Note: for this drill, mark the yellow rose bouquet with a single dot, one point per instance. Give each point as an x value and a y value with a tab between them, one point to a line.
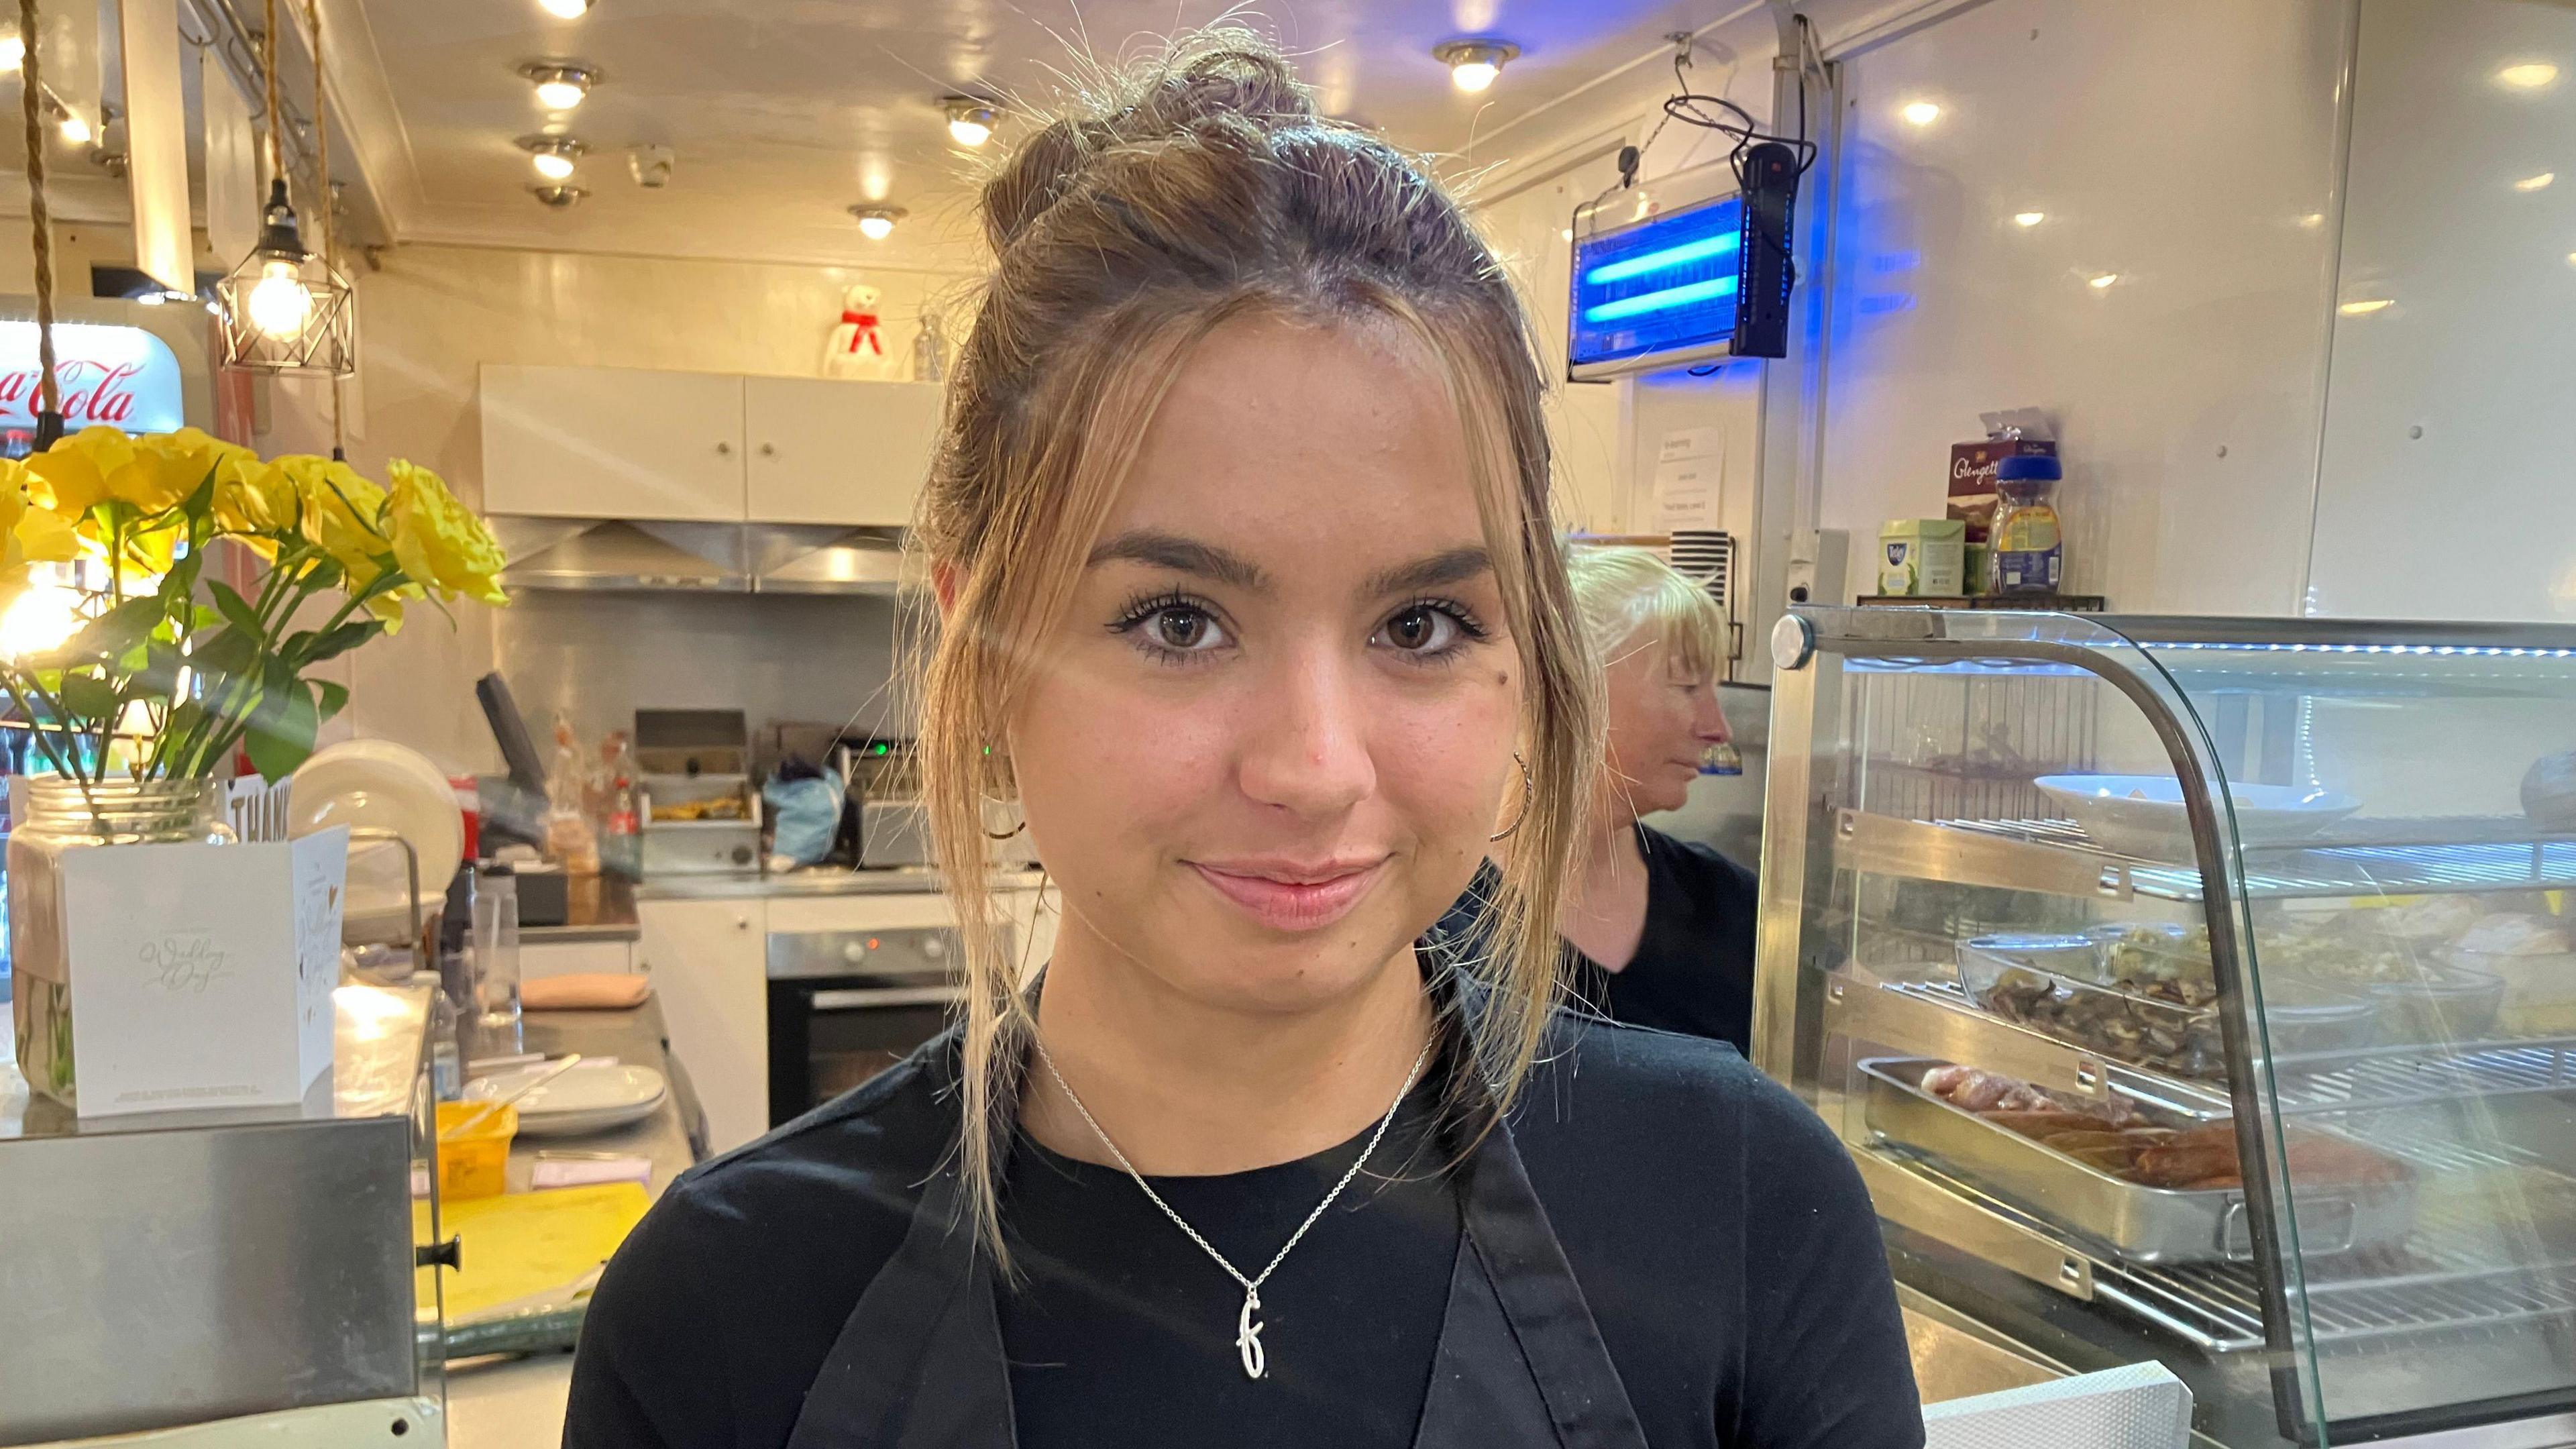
168	668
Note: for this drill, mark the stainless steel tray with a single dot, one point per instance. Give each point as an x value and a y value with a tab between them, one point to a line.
2135	1224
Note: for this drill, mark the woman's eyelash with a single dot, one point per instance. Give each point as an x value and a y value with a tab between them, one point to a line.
1465	618
1140	609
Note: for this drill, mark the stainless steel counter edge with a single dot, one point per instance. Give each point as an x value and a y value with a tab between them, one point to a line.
907	881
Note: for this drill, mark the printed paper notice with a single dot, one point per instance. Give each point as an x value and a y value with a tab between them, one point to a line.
1688	492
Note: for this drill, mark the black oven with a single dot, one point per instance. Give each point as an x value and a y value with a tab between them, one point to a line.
846	1005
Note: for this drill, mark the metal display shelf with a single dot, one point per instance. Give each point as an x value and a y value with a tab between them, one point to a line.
2385	857
2441	1283
1939	1020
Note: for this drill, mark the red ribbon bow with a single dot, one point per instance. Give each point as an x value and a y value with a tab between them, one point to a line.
864	329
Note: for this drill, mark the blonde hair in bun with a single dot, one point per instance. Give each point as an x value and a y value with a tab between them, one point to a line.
1178	192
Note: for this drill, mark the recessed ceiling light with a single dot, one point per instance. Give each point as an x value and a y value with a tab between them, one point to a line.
1919	113
970	121
2529	75
557	198
2029	218
553	156
876	223
2102	281
74	129
561	85
565	9
2366	306
2535	183
1474	64
13	52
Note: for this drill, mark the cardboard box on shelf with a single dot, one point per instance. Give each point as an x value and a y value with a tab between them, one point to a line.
1919	556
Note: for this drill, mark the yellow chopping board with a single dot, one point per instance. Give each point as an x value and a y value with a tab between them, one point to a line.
523	1244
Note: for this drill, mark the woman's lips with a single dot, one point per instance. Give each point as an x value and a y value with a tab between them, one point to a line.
1289	897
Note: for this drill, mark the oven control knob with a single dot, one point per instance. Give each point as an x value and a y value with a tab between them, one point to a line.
853	952
933	948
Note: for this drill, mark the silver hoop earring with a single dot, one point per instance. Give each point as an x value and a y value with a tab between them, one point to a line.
1527	790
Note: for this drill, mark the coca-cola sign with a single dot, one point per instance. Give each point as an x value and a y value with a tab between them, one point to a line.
121	377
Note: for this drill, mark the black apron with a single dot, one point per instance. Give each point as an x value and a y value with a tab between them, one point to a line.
1520	1364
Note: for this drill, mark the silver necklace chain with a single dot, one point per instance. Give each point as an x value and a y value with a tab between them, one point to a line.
1248	1325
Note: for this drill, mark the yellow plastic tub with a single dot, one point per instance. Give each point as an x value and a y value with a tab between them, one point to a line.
472	1161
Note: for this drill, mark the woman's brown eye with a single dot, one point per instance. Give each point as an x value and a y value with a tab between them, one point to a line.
1414	630
1180	628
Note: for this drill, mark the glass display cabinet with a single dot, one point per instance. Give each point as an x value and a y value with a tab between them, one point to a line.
2198	989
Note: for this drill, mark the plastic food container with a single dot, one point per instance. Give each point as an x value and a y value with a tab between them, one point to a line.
2064	954
2539	983
2304	1019
472	1162
2439	1007
2119	1025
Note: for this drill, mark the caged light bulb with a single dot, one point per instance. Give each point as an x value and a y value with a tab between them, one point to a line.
279	305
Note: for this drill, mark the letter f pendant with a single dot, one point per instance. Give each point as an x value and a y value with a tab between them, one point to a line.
1247	1336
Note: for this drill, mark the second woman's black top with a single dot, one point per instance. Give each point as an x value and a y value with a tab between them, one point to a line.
1716	1229
1693	971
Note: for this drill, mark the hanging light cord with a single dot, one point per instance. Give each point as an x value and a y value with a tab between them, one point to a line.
268	73
322	218
49	414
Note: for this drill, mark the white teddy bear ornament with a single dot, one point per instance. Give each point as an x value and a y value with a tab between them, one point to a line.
858	345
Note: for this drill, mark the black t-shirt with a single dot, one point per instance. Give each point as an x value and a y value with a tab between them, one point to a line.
1116	1298
1693	971
1717	1229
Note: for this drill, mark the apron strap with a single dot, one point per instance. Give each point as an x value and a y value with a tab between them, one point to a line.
926	1320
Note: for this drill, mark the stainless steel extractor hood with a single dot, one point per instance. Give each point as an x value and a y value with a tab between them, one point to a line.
634	555
824	559
571	553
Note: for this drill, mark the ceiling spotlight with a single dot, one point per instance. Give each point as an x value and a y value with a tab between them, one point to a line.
1473	64
2536	183
2366	306
561	85
553	156
970	121
1919	113
75	130
557	198
565	9
2530	75
876	223
2029	218
2103	281
13	52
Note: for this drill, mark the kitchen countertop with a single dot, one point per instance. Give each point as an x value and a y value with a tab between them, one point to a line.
518	1403
828	881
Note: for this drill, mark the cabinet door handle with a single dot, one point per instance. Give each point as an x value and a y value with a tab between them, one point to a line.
769	450
742	923
724	450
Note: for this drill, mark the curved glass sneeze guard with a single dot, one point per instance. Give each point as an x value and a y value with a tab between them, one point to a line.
2277	1090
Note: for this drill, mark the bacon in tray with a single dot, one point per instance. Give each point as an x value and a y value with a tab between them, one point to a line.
2116	1138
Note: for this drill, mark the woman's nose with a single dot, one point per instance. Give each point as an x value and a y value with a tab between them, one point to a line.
1710	724
1309	750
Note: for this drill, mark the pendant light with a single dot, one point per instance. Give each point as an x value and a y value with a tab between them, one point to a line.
286	309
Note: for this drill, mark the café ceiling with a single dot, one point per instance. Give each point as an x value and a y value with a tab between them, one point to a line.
782	114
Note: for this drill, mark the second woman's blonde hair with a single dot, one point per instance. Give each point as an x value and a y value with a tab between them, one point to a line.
1630	598
1195	190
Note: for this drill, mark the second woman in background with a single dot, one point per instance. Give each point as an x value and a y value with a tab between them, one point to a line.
1659	931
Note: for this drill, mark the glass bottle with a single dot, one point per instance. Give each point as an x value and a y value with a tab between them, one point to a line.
2029	554
62	815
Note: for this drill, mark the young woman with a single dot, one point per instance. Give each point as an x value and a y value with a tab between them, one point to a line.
1252	604
1659	931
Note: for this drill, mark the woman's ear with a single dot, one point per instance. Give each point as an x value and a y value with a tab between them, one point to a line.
944	583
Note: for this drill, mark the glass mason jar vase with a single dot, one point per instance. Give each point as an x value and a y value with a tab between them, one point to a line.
61	816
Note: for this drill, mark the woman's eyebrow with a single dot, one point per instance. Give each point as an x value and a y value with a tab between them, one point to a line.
1447	567
1183	555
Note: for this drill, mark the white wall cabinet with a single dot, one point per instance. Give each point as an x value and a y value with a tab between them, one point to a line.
612	442
704	447
709	966
828	451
